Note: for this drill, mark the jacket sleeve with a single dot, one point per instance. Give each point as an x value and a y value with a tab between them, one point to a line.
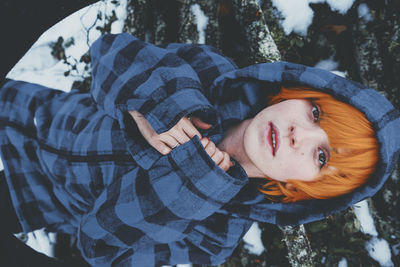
202	246
158	206
128	74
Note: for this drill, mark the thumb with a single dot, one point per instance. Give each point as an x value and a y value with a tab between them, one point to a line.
198	123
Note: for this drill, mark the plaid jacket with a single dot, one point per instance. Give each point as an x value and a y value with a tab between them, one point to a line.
76	162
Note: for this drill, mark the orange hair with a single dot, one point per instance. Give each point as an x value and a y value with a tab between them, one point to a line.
353	156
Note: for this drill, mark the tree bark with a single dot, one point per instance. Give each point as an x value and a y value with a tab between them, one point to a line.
300	253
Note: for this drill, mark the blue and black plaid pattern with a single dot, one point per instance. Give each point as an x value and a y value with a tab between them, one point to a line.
71	162
76	163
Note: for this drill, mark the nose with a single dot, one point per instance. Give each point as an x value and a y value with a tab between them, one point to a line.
299	135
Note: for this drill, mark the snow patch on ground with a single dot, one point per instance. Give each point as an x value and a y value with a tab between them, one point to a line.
342	263
364	12
340	6
252	240
330	65
42	241
298	15
396	249
327	64
201	21
378	248
339	73
39	66
364	216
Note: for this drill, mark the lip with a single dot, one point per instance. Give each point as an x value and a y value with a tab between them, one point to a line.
271	127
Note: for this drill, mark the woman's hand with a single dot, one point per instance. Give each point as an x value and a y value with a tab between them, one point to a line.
221	158
182	132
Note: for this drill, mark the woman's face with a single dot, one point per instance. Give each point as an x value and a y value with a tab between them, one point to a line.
284	141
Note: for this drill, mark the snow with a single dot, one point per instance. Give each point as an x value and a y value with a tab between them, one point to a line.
364	12
252	240
39	66
327	64
342	263
340	6
339	73
42	242
298	15
364	216
121	13
396	249
330	65
378	248
201	21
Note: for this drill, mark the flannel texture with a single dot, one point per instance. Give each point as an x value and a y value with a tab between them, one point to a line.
76	163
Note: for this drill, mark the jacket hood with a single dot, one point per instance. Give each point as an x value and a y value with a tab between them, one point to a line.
256	81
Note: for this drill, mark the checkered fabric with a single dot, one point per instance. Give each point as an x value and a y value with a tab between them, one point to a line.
76	163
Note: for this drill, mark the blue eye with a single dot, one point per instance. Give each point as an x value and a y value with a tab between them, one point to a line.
321	158
315	112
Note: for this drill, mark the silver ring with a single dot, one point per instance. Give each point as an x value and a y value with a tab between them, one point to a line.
176	145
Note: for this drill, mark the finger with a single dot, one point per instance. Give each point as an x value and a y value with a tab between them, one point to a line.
218	156
190	129
226	163
197	122
210	148
168	140
161	147
179	135
204	141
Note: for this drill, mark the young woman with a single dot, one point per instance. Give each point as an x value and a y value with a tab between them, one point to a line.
175	152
